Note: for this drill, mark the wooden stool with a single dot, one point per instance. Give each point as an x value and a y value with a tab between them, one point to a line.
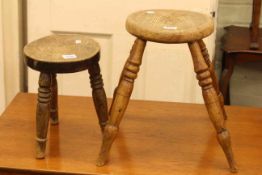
63	54
169	26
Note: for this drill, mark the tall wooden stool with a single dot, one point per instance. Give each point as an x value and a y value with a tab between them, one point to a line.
63	54
169	26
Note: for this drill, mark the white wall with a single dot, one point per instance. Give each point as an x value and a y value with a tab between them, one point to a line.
2	87
10	50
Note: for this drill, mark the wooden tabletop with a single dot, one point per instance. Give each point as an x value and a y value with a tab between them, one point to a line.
155	138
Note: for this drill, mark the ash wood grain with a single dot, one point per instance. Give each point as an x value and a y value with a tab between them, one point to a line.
181	143
213	74
169	26
212	102
121	98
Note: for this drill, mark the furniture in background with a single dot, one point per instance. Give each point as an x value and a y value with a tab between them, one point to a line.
63	54
171	27
240	45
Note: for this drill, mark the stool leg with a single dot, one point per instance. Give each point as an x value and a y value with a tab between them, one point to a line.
212	102
213	74
226	76
53	103
42	113
121	98
98	93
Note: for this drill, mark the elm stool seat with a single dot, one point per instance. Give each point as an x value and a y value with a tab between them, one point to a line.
171	27
63	54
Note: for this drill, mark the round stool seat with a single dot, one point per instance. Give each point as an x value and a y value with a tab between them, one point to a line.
169	26
62	53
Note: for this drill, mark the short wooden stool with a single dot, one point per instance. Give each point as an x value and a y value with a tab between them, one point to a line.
169	26
63	54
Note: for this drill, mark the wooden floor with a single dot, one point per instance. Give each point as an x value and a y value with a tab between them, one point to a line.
155	138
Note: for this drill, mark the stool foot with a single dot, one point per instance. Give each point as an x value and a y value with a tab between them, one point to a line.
121	98
212	101
98	93
108	139
53	103
42	113
224	140
226	76
54	119
40	148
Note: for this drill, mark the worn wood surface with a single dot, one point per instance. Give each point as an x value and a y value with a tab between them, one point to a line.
213	74
212	102
98	93
62	53
54	103
155	138
121	98
169	26
183	27
42	113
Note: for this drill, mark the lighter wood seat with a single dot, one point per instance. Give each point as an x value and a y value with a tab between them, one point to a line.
63	54
169	26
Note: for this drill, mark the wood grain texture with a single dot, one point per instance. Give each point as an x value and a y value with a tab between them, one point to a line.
212	102
213	75
98	93
53	103
62	53
181	143
169	26
42	113
121	98
183	26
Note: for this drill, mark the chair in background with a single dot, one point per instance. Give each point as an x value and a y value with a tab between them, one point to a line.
240	45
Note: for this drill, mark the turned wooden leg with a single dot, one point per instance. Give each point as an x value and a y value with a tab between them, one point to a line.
212	102
42	113
121	98
53	102
213	74
98	93
226	76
